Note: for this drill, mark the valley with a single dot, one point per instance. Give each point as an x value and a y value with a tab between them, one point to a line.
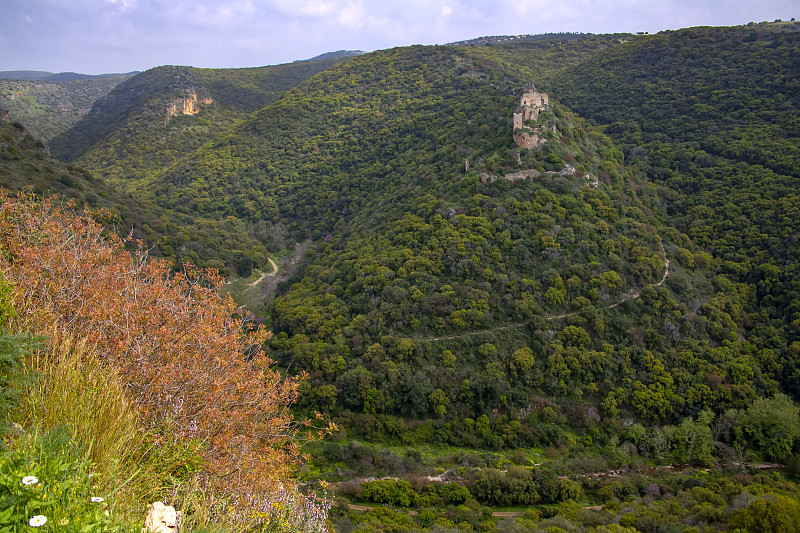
498	301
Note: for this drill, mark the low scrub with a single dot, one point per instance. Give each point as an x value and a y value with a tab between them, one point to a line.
156	378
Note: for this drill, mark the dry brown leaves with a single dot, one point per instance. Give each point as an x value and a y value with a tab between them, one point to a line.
180	346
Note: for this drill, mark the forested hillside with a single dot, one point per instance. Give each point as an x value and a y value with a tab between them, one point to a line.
432	295
26	164
623	295
166	112
711	116
49	107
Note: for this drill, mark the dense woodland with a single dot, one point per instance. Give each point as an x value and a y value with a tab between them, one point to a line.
572	349
50	107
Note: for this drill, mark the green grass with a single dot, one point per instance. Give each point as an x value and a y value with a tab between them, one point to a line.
47	481
68	423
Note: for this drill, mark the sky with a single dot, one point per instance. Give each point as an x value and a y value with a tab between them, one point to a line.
105	36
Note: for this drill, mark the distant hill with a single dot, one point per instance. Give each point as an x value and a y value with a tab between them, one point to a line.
38	75
30	75
500	39
26	164
72	76
153	118
47	107
340	54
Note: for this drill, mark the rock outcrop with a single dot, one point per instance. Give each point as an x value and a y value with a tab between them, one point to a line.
188	104
161	519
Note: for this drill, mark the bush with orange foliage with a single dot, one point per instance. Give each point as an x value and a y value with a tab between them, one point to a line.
185	357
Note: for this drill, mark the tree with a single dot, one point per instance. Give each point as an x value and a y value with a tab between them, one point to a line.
773	425
523	361
772	512
244	264
693	441
438	401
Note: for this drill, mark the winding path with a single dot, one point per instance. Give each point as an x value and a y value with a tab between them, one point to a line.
631	296
264	274
497	514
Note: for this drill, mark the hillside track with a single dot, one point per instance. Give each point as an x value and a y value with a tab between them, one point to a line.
631	296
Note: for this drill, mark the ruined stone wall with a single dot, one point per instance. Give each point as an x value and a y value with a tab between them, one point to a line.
531	102
534	99
529	140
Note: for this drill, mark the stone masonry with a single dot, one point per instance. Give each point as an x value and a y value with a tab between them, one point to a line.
531	103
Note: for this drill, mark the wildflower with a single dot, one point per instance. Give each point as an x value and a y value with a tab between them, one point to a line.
96	499
37	521
30	480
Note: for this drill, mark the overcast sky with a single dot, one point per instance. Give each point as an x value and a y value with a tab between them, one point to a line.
103	36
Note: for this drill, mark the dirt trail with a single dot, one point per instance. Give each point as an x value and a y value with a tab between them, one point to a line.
631	296
497	514
265	274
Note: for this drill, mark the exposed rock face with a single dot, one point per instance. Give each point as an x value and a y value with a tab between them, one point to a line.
4	116
188	105
531	103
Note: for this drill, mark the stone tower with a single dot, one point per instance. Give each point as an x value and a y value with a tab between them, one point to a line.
531	103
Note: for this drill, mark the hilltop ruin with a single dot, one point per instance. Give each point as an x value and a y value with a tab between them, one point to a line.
528	134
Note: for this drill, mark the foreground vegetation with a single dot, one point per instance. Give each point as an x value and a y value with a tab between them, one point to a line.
140	386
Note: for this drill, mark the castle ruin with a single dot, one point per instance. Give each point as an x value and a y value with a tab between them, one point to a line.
531	103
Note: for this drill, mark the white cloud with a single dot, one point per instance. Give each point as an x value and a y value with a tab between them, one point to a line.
308	8
353	15
447	11
124	5
235	9
531	7
318	8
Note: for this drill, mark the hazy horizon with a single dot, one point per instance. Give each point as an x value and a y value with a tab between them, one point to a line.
116	36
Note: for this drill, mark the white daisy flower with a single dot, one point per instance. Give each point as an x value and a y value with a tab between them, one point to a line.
37	521
96	499
30	480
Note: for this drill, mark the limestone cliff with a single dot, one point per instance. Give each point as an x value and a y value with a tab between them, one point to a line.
189	104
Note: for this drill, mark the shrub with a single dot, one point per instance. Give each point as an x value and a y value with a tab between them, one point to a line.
189	363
